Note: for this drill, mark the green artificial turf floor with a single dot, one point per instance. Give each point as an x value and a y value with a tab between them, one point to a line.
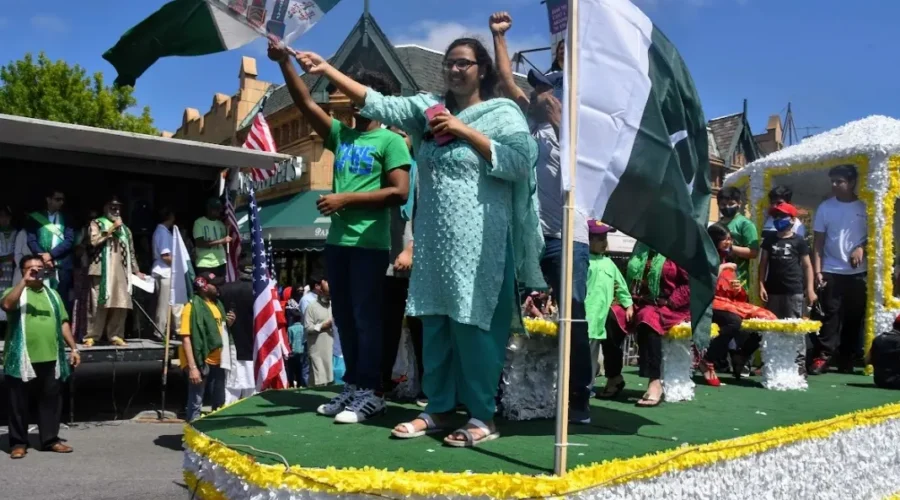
285	422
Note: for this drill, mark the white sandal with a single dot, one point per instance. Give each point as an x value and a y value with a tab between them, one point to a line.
470	441
410	432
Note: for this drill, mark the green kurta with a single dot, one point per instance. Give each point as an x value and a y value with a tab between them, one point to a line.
604	281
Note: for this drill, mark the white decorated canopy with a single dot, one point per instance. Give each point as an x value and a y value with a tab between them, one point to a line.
872	145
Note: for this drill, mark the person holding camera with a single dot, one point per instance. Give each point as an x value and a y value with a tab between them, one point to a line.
35	357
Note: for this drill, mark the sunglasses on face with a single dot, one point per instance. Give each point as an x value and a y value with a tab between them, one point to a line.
459	64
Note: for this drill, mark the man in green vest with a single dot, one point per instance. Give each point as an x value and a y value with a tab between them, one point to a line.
35	357
51	239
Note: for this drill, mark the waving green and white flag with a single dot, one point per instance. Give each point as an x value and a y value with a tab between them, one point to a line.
642	157
182	282
198	27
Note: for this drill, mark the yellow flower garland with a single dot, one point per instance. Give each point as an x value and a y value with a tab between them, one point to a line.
683	331
538	326
784	326
892	195
500	485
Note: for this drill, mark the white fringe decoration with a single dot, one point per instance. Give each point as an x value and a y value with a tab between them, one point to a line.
779	355
677	370
529	378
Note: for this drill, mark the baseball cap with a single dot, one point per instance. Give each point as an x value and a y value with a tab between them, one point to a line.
553	79
597	227
783	208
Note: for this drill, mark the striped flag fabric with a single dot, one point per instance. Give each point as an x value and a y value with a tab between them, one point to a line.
269	348
181	285
234	248
260	139
199	27
642	163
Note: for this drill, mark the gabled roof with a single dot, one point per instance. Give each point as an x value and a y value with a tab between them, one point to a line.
731	131
723	130
874	135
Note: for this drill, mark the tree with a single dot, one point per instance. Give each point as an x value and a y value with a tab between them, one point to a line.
53	90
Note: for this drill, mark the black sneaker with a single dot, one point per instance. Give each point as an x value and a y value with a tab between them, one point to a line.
580	414
365	405
818	366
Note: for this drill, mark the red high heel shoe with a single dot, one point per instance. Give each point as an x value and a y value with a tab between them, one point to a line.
709	373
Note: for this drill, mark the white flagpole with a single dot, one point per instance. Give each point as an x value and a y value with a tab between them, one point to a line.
565	303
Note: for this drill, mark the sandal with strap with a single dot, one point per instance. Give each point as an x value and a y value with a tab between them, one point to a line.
647	402
612	392
470	441
410	432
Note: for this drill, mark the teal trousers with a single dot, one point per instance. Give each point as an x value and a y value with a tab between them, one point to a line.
463	363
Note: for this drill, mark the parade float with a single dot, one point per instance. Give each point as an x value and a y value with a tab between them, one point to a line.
720	443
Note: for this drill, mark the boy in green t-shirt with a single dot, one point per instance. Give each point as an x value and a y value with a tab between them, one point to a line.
746	238
371	174
210	238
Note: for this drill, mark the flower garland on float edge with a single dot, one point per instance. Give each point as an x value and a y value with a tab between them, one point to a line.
369	480
683	331
782	326
540	326
890	198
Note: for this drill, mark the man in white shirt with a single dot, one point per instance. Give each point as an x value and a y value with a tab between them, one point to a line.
841	233
162	268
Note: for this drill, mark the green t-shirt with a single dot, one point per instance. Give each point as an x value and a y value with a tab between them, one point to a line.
41	338
744	234
209	230
361	163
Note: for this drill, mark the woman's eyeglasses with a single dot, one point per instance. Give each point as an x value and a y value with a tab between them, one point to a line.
459	64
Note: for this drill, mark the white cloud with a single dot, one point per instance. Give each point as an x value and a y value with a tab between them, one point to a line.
49	24
438	35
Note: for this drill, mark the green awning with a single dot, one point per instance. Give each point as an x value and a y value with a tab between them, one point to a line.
291	222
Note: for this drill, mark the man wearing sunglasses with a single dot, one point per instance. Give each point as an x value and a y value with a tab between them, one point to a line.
53	240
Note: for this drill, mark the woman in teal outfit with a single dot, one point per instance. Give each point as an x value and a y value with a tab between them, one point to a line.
477	232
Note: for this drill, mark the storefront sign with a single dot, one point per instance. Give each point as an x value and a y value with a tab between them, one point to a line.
287	171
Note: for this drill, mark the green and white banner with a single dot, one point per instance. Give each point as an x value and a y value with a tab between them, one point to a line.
198	27
642	158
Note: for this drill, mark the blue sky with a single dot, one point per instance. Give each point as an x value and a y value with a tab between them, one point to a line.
834	59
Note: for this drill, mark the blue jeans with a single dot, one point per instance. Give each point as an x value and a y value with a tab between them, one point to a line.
356	279
298	369
581	378
214	380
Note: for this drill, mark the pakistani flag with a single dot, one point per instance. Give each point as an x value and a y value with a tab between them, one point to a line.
182	281
199	27
642	157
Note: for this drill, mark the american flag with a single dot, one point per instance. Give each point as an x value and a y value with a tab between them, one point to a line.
260	139
269	348
234	248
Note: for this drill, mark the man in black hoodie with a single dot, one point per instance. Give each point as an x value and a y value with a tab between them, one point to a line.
237	296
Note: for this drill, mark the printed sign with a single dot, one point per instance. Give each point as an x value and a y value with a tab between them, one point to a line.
287	171
558	13
281	19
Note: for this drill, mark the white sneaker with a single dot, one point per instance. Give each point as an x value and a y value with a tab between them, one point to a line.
364	406
337	403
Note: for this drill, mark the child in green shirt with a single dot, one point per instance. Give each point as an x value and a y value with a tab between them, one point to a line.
604	283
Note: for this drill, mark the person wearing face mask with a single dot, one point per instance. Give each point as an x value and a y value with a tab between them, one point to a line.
745	245
785	267
112	264
781	194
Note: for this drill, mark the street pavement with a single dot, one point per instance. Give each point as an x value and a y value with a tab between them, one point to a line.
115	458
111	461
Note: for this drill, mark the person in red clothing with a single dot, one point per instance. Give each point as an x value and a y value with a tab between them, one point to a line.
730	307
662	297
